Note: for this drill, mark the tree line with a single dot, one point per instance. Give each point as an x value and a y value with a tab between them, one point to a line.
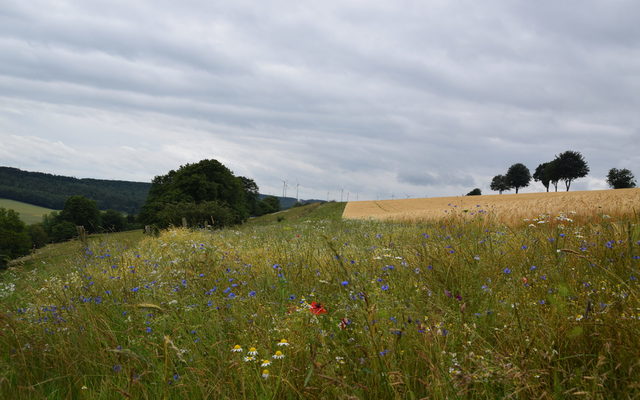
565	167
200	194
52	191
18	239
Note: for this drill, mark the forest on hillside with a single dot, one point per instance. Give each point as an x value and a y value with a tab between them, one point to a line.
51	191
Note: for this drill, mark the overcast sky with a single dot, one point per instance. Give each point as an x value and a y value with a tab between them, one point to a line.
380	98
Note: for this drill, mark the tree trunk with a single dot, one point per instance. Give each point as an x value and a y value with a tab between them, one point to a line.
516	190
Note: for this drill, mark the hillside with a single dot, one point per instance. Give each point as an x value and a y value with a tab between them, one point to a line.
29	213
51	191
312	306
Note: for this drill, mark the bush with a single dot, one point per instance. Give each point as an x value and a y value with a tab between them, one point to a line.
63	230
38	235
197	215
113	221
14	237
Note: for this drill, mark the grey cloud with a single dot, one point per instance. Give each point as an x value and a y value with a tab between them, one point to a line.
331	94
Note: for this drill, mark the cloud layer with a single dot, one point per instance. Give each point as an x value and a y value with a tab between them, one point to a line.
379	99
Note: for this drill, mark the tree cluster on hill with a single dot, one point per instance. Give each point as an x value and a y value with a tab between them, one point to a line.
52	191
204	193
80	211
567	167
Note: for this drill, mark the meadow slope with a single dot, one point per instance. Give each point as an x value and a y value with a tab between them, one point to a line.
510	208
29	213
318	307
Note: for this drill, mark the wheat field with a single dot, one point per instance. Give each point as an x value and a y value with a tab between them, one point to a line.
508	208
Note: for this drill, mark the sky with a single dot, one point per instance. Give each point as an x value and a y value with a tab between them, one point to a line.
347	99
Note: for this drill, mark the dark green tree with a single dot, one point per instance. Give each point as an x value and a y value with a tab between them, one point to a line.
38	235
14	237
570	166
475	192
269	204
81	211
621	178
499	184
205	181
518	176
543	174
63	230
113	221
251	195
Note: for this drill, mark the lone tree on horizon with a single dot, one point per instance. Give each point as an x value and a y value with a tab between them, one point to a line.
518	176
569	166
499	184
542	175
621	178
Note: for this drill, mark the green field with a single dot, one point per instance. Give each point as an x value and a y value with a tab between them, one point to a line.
303	304
29	213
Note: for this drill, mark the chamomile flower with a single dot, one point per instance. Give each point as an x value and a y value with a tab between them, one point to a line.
252	351
237	349
265	363
283	342
278	355
265	373
249	358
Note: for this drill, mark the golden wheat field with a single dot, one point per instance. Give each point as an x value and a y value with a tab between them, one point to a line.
508	208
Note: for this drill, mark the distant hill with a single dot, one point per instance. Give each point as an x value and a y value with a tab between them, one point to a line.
288	202
51	191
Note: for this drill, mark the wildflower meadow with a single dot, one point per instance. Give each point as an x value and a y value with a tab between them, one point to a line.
307	305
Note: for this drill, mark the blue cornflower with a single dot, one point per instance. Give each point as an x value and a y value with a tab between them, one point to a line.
507	270
344	283
148	329
385	287
135	289
524	247
252	293
533	268
117	368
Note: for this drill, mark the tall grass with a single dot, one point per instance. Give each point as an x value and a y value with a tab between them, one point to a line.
460	308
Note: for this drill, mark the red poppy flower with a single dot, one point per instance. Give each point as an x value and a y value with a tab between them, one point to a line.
317	308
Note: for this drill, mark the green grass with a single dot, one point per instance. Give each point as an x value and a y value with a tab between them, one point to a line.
29	213
454	309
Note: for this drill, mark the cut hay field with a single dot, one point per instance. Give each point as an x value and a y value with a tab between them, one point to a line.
507	208
29	213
